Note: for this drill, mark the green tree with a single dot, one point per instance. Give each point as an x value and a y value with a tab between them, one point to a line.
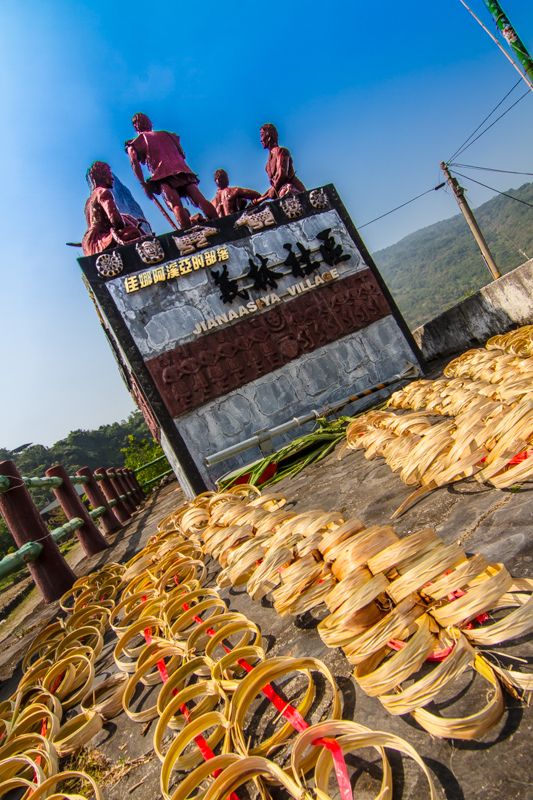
100	448
7	543
139	452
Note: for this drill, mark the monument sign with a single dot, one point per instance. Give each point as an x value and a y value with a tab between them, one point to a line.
241	323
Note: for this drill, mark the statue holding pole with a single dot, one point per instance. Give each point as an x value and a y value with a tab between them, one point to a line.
170	176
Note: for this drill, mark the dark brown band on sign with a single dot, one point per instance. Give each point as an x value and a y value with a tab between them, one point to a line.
214	364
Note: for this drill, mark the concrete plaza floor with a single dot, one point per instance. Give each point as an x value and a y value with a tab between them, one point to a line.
496	523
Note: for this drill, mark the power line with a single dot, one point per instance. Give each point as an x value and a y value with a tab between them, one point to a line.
490	169
459	149
510	196
434	189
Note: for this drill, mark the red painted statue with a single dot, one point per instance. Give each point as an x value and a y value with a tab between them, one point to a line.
106	226
170	176
230	199
279	168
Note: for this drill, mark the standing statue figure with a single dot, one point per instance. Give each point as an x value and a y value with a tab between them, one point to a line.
170	176
230	199
279	168
106	226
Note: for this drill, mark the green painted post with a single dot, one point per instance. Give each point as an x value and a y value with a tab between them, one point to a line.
511	36
69	527
42	483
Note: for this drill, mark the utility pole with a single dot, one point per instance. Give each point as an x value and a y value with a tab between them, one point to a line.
511	36
459	193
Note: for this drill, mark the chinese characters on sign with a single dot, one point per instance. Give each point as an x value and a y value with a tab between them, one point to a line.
264	301
176	268
301	266
229	289
331	252
262	275
260	272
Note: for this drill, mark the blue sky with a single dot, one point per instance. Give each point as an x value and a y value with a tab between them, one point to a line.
368	96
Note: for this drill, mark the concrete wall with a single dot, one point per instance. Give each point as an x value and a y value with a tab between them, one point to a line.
497	308
326	376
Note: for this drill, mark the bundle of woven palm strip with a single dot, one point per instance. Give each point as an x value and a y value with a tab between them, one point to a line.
59	670
396	605
486	399
209	668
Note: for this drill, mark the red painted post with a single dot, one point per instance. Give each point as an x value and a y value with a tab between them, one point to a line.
50	572
116	480
127	475
128	487
120	511
137	485
108	522
91	538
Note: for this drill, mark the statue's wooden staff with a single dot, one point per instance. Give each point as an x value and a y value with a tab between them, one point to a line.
162	210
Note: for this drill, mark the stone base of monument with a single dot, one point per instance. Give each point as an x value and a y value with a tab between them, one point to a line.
238	326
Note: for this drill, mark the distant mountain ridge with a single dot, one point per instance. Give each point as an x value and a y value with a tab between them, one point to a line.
434	267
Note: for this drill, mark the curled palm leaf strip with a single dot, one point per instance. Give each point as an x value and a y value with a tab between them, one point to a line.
485	405
175	634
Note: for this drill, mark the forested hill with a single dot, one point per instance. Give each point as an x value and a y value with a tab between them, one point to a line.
99	448
435	267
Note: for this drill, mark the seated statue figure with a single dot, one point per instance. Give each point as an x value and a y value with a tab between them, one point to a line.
230	199
170	176
106	226
279	168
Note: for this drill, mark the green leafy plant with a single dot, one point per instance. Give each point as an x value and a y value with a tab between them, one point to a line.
292	459
296	456
140	452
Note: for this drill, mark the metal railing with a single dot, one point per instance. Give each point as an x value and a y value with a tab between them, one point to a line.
157	477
